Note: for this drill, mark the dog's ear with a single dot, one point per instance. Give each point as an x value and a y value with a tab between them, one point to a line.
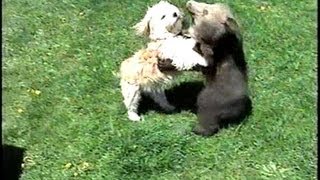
142	28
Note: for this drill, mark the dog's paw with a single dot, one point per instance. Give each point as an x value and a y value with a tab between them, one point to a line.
199	60
134	116
203	63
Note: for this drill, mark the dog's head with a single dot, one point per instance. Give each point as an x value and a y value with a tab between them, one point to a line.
211	21
160	22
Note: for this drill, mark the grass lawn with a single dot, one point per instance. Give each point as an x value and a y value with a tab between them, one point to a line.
62	101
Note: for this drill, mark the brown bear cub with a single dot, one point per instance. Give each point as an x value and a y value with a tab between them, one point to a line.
224	99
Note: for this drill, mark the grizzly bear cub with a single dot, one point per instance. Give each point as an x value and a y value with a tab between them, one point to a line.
224	99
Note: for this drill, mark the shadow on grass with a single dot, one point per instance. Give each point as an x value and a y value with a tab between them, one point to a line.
11	161
183	97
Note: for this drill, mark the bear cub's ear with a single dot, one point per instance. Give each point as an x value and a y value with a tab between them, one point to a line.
232	27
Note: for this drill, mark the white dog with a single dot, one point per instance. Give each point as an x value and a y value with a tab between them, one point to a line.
139	73
161	21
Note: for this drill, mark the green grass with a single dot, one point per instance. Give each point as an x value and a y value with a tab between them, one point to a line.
62	102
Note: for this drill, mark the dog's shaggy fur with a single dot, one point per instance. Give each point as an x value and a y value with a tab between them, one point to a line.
161	21
225	97
140	72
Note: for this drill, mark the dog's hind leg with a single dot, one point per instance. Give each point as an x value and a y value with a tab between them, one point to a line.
160	98
132	95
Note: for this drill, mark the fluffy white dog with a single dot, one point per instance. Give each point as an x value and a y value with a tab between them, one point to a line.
139	73
161	21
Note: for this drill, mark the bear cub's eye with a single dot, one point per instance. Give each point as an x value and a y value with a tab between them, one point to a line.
163	17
